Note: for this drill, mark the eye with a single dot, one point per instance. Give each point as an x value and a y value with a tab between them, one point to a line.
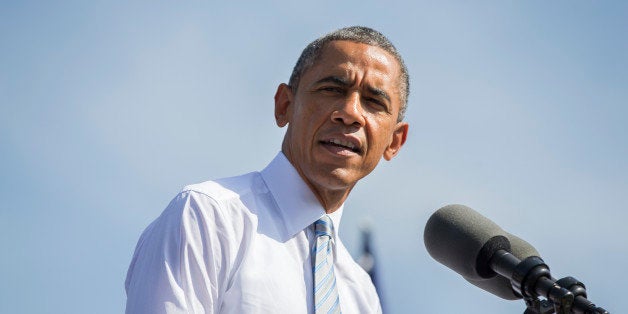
332	89
376	103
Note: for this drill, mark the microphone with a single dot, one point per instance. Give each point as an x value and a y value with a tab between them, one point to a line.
463	240
499	285
499	262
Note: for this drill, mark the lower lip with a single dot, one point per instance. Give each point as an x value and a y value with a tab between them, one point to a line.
337	150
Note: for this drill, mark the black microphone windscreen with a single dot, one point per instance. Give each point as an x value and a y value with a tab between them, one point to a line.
463	240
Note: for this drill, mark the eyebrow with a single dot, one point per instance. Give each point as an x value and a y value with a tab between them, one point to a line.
344	82
379	92
334	79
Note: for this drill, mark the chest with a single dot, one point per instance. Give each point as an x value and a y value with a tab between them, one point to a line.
274	277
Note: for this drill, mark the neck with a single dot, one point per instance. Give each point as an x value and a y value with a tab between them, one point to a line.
330	198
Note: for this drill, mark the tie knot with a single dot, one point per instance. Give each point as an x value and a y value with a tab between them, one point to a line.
324	226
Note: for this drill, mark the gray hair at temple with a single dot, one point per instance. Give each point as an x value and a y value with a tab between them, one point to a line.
359	34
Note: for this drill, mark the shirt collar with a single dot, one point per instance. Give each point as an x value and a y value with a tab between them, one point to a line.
297	204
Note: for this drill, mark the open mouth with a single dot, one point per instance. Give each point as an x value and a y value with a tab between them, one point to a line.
343	144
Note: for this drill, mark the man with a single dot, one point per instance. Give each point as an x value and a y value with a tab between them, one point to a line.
266	242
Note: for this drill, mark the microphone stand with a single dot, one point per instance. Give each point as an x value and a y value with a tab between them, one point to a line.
531	279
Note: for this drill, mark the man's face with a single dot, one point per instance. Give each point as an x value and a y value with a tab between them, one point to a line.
342	118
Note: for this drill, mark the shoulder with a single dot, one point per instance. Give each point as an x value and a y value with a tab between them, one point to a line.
213	197
224	190
198	241
211	206
208	217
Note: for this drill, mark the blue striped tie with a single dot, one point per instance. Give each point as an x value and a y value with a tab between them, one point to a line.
326	298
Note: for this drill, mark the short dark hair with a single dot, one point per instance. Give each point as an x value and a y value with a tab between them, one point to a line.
359	34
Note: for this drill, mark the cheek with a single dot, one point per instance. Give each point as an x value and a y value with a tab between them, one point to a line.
313	118
381	135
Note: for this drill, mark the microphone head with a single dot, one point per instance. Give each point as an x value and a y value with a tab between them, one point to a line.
463	240
499	285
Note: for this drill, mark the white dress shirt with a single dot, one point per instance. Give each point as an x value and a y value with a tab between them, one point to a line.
240	245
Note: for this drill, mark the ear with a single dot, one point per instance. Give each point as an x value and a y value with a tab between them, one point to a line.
283	100
398	139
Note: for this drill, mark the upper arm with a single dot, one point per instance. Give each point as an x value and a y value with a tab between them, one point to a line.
180	264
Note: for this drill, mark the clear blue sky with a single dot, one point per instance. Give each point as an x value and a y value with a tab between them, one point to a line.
518	109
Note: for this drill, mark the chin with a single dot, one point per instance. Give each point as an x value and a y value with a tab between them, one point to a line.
338	179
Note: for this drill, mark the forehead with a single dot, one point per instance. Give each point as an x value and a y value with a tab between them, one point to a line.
370	64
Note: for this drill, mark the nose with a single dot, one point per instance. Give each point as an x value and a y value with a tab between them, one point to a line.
349	111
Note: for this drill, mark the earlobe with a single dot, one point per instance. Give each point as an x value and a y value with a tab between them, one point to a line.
283	100
398	139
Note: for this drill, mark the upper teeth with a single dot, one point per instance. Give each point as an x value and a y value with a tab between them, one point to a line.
342	143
